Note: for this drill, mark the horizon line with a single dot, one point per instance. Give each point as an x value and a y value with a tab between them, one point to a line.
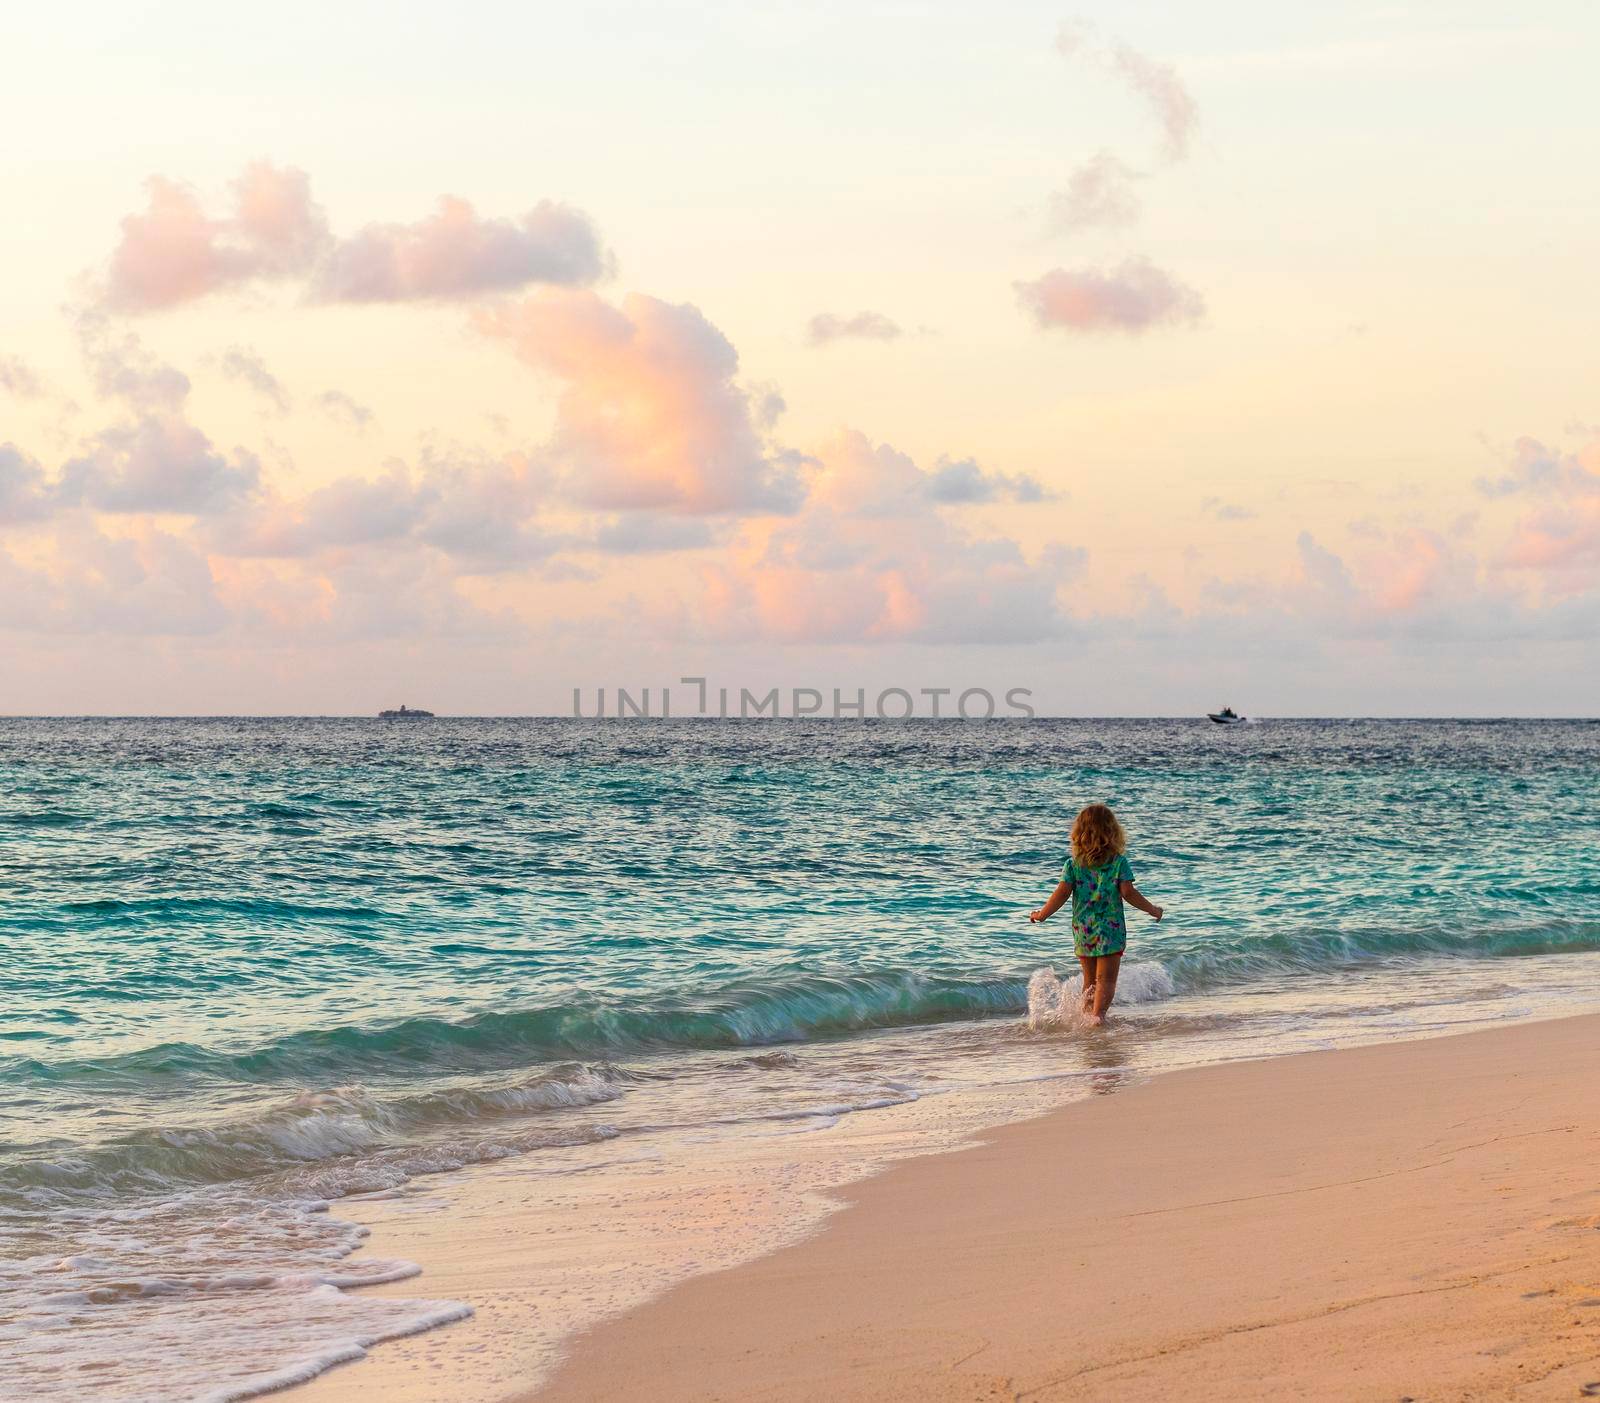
756	720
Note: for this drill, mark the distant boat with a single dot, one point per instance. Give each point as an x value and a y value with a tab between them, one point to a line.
1227	717
405	714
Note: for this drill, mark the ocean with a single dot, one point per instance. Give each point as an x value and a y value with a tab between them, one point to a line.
254	967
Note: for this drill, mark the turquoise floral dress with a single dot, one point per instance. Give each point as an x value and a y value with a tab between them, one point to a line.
1098	927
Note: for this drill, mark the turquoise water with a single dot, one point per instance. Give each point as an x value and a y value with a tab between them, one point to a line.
255	965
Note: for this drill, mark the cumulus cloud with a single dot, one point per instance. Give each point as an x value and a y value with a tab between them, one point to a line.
173	252
148	584
650	416
479	514
122	368
405	593
827	327
640	533
873	558
859	478
1099	194
351	511
246	366
1560	535
1560	542
160	463
1322	569
1538	470
936	586
25	495
154	461
456	254
277	218
339	406
962	481
483	514
1135	296
1415	585
1154	83
17	378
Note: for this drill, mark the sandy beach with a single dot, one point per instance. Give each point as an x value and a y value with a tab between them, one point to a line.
1417	1220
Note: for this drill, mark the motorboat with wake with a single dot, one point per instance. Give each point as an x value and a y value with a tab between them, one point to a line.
1227	717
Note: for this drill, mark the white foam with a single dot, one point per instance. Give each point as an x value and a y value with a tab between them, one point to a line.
261	1283
1054	1002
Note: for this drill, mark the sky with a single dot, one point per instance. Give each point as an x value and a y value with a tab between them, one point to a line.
1144	358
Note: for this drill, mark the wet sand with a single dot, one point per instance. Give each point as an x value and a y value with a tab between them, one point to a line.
1417	1220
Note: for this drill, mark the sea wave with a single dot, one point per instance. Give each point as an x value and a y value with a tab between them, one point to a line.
1199	965
756	1013
324	1144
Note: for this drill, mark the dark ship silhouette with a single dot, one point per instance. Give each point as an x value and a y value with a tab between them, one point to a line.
405	713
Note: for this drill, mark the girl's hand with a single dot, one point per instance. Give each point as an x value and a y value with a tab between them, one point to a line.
1159	912
1036	916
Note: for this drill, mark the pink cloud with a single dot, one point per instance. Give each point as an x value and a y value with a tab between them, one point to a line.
860	478
872	559
1417	569
1560	535
1158	83
481	515
276	216
1099	195
173	252
456	254
1155	83
863	479
1557	541
1410	583
650	415
145	584
1133	297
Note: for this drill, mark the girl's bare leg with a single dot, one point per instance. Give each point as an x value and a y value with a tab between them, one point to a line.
1086	964
1105	985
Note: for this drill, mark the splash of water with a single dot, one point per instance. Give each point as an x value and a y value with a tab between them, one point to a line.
1054	1003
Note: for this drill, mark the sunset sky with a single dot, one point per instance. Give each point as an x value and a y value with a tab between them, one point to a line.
1149	357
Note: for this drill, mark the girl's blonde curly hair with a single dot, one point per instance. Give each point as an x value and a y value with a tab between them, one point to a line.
1097	837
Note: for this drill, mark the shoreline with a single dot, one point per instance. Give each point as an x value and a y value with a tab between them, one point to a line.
1407	1220
486	1244
541	1255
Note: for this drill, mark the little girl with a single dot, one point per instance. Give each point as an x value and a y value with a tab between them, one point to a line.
1098	878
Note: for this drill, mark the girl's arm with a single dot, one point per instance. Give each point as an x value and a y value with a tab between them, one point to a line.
1132	896
1058	899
